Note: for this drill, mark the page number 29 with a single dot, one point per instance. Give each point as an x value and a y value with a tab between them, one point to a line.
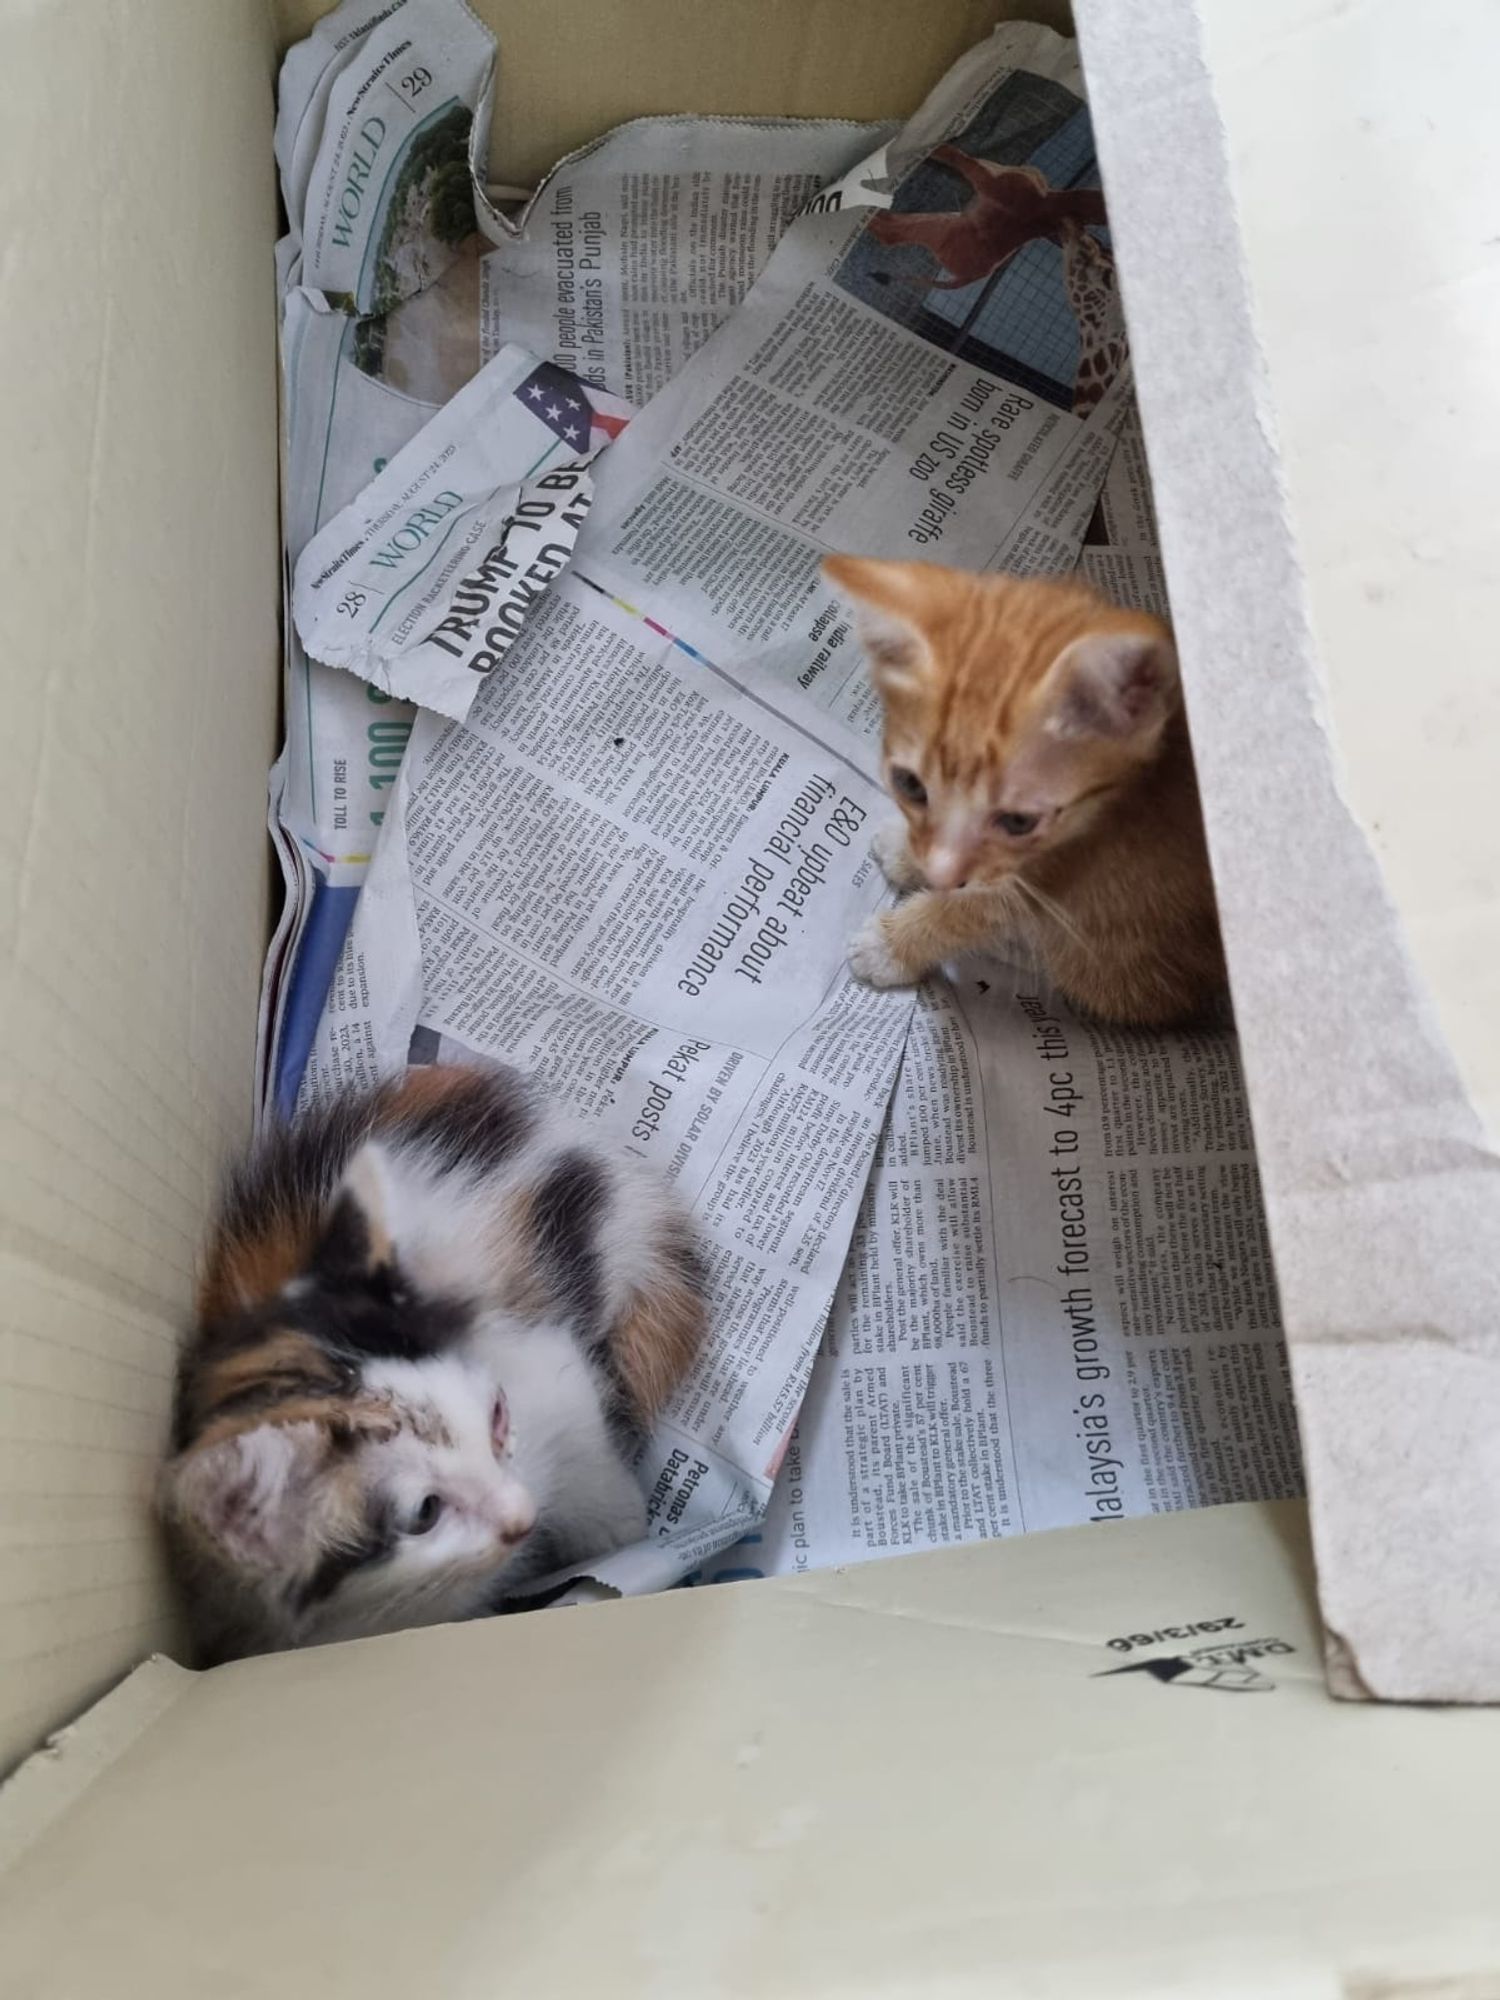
416	81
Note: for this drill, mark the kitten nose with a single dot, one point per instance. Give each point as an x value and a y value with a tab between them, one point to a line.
946	869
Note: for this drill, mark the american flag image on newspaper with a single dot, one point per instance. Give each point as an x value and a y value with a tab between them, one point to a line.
561	402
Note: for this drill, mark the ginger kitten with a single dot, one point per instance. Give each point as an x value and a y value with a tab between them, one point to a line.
1036	744
435	1325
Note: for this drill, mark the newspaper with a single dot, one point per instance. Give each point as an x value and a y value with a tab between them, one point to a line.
557	887
458	535
637	248
382	131
1060	1304
1121	553
381	124
634	865
862	397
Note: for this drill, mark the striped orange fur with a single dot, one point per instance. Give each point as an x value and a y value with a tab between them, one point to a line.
1036	745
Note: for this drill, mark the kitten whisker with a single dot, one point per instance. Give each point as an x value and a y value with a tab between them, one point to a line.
1050	907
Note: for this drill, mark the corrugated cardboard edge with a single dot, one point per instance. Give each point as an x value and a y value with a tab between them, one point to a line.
927	1776
53	1780
1383	1197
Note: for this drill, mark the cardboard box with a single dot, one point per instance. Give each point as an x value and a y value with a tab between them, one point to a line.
921	1776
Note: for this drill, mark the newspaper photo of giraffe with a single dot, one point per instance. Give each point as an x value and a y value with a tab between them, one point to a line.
996	248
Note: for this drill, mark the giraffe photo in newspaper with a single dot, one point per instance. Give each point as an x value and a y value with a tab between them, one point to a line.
992	249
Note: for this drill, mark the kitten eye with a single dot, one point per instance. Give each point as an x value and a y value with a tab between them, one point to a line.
908	785
427	1515
1017	823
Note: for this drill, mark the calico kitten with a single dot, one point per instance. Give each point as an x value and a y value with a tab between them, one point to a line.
1036	745
434	1327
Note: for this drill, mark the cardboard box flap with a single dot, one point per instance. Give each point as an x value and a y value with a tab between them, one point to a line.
58	1776
1377	314
138	571
1008	1769
566	74
1382	1188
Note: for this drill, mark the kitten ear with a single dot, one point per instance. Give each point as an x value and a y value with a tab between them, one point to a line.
356	1239
886	599
1120	684
249	1492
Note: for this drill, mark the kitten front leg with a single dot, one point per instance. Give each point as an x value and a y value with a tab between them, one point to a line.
602	1511
892	851
901	946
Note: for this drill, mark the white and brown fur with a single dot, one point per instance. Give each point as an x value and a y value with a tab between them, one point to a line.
436	1299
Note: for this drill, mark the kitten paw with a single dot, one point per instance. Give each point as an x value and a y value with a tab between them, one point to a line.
893	856
872	959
